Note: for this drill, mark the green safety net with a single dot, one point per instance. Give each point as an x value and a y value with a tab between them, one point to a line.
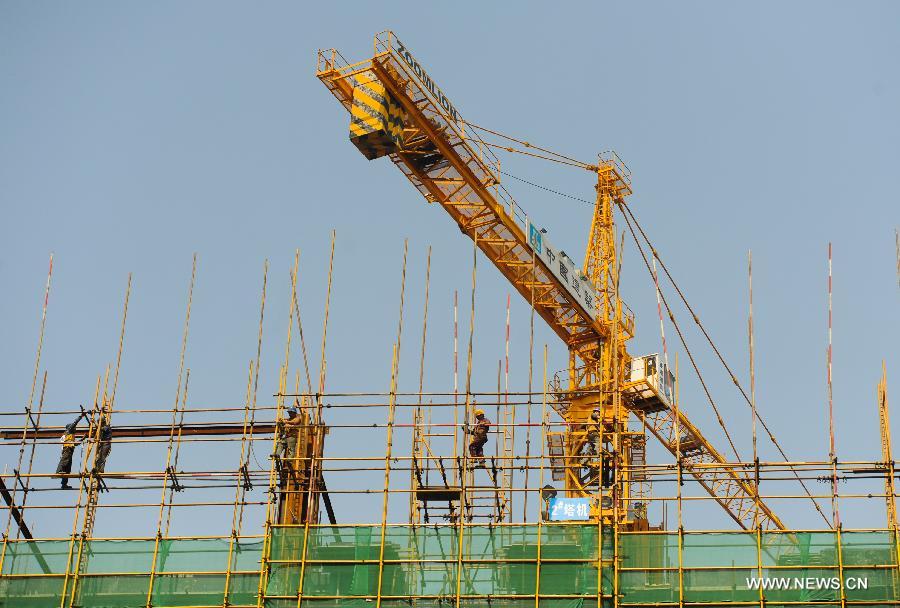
116	573
723	568
427	565
343	565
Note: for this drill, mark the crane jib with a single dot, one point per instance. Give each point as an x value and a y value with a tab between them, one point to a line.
577	286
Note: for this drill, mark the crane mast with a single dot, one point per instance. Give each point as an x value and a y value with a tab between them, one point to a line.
399	111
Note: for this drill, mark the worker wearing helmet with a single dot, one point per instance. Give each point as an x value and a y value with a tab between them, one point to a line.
479	432
69	441
287	433
593	428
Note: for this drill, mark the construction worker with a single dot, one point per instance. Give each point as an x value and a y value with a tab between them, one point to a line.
103	449
287	433
64	468
479	432
594	428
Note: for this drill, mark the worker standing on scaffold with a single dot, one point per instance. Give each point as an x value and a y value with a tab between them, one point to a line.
69	441
479	433
103	449
287	433
286	449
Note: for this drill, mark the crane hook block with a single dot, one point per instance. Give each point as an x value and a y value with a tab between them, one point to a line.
376	120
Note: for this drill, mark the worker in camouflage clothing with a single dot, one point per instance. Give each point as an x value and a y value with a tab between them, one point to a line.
479	432
103	449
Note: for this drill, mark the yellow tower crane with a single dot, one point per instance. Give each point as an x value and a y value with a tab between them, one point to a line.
399	111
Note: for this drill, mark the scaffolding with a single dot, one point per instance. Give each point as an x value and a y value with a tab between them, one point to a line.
373	498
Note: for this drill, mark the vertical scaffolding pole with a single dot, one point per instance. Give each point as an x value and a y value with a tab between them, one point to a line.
750	344
27	484
463	511
175	408
112	399
104	417
680	482
89	486
832	456
40	347
759	570
29	406
456	385
540	524
259	338
465	507
315	461
252	391
240	489
840	561
387	472
887	453
417	412
530	392
285	369
317	453
645	485
618	424
511	450
392	402
322	359
887	458
175	457
36	423
289	496
302	344
84	489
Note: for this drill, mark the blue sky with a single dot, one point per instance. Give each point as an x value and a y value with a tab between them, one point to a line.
135	134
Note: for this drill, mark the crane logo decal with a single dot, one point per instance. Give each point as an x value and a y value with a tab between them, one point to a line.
426	80
534	237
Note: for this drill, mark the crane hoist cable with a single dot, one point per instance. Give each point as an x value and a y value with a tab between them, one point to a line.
556	192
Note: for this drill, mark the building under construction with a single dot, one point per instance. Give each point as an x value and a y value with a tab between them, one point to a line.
559	508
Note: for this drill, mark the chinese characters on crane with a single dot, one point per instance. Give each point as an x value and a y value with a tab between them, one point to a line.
574	281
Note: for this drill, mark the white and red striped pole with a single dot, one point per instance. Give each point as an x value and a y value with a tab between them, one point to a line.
455	377
37	360
510	419
506	379
455	344
662	330
831	454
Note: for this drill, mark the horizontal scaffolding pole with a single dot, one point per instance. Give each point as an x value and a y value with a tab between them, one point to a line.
257	428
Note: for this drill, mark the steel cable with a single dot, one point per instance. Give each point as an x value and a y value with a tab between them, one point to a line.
628	213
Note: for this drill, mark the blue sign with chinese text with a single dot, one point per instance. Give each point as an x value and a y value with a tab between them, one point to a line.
570	509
